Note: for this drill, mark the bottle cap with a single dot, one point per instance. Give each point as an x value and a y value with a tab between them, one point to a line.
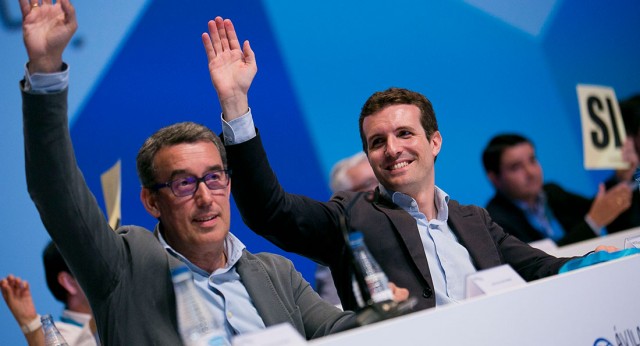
355	238
180	273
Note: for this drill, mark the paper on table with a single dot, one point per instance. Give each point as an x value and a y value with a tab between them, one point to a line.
493	280
632	242
547	245
281	334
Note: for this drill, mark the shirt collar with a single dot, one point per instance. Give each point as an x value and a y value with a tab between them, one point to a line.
74	317
409	204
541	201
232	247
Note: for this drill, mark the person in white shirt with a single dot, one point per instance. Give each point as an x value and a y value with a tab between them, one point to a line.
76	323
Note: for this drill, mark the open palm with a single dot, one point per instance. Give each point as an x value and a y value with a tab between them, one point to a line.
47	29
232	68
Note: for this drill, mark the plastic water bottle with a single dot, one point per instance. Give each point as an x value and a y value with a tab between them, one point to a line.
52	336
196	323
376	279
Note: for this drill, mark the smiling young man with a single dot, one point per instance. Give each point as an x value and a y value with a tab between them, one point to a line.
424	241
126	274
401	149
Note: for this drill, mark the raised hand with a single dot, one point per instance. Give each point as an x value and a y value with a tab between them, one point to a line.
231	67
47	28
608	204
630	156
17	295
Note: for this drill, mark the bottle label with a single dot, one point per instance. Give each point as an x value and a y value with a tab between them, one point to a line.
376	283
210	339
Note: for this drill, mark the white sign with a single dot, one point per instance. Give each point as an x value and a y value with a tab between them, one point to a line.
493	280
547	245
281	334
632	242
603	131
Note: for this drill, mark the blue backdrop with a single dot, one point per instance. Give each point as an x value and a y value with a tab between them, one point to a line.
488	67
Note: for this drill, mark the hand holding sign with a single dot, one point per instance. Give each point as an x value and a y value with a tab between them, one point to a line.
609	204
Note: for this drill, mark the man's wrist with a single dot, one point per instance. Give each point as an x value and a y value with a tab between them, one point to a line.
234	107
32	326
595	227
45	65
42	83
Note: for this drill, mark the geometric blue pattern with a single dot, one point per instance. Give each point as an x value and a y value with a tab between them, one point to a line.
487	66
529	16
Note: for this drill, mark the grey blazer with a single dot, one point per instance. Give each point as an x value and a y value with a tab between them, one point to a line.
125	274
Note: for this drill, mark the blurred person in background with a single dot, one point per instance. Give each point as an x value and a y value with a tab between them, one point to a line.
76	323
532	210
352	173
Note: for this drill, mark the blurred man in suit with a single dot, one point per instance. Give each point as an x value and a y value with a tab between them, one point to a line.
531	210
630	110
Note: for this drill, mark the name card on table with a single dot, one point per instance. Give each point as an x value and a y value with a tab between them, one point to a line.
547	245
603	131
493	280
632	242
279	335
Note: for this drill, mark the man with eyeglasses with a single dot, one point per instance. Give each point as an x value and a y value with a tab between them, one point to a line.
186	185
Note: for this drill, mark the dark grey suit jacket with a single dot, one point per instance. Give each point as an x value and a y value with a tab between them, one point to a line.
312	228
568	208
125	274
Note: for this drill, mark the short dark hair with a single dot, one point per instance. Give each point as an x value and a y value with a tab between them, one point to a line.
492	154
185	132
630	109
53	265
398	96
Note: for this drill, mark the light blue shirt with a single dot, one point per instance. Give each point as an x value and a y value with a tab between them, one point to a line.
224	291
449	261
46	82
238	130
541	218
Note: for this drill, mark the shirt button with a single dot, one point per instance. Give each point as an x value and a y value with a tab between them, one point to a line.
229	314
